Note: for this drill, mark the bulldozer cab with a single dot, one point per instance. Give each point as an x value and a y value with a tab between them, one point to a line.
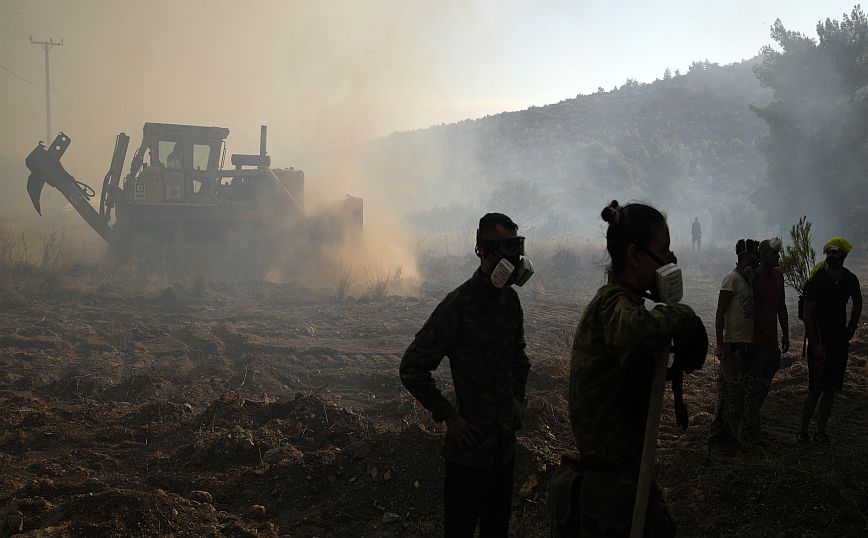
179	164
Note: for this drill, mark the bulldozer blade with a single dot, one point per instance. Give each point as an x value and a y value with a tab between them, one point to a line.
34	189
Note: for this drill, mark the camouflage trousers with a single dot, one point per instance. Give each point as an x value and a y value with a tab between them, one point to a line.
741	388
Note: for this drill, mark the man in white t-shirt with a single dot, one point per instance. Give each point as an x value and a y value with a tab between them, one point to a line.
736	421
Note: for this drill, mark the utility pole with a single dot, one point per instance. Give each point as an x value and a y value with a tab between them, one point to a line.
47	46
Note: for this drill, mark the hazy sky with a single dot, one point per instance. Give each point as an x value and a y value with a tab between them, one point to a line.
326	74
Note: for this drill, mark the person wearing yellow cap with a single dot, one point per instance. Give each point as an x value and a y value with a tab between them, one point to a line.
829	288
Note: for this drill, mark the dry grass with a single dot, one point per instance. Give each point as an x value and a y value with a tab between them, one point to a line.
379	280
155	283
114	273
55	258
10	296
346	277
121	338
145	276
8	246
195	283
13	249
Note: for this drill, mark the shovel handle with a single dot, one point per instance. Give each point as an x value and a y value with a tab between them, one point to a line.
649	447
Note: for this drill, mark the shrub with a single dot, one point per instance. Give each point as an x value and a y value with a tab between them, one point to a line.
378	282
346	276
799	259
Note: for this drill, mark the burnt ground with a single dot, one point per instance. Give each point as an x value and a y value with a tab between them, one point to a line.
253	408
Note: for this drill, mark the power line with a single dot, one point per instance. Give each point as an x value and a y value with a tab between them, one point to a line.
57	93
69	106
53	90
16	75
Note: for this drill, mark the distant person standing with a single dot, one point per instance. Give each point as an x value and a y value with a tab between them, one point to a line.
696	234
480	327
829	288
770	310
736	420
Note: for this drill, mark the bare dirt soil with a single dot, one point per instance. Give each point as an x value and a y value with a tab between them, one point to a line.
252	408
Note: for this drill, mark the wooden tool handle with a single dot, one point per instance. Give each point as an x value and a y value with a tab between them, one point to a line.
649	447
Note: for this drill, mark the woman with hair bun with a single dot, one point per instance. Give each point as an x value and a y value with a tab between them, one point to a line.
611	371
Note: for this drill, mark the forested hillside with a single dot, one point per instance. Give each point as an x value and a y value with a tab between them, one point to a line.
685	142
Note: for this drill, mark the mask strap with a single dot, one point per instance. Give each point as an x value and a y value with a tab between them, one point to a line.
656	258
643	293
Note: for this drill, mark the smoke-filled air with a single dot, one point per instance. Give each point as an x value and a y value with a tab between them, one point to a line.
392	268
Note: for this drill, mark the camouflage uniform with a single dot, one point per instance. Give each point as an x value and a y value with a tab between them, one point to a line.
481	330
611	369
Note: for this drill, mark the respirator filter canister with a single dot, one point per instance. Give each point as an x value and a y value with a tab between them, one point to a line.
670	287
506	273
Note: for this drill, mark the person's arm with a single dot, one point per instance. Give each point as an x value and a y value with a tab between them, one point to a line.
855	310
520	364
811	330
784	320
424	355
628	324
724	299
810	296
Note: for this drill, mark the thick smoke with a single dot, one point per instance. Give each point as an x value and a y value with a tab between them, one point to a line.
322	79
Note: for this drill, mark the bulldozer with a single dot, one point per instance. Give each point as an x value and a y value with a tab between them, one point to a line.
177	187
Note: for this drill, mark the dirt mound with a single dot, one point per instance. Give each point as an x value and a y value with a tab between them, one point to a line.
125	512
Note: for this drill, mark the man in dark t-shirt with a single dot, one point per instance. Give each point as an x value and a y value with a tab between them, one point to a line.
770	309
826	294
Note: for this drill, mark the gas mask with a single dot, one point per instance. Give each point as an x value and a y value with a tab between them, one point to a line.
668	286
513	267
835	262
507	273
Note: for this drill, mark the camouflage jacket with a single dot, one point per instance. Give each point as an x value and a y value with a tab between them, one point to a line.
481	330
611	368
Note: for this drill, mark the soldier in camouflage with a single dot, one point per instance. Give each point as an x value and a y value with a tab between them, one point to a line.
480	327
611	370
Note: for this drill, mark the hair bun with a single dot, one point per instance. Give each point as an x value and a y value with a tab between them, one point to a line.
611	213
